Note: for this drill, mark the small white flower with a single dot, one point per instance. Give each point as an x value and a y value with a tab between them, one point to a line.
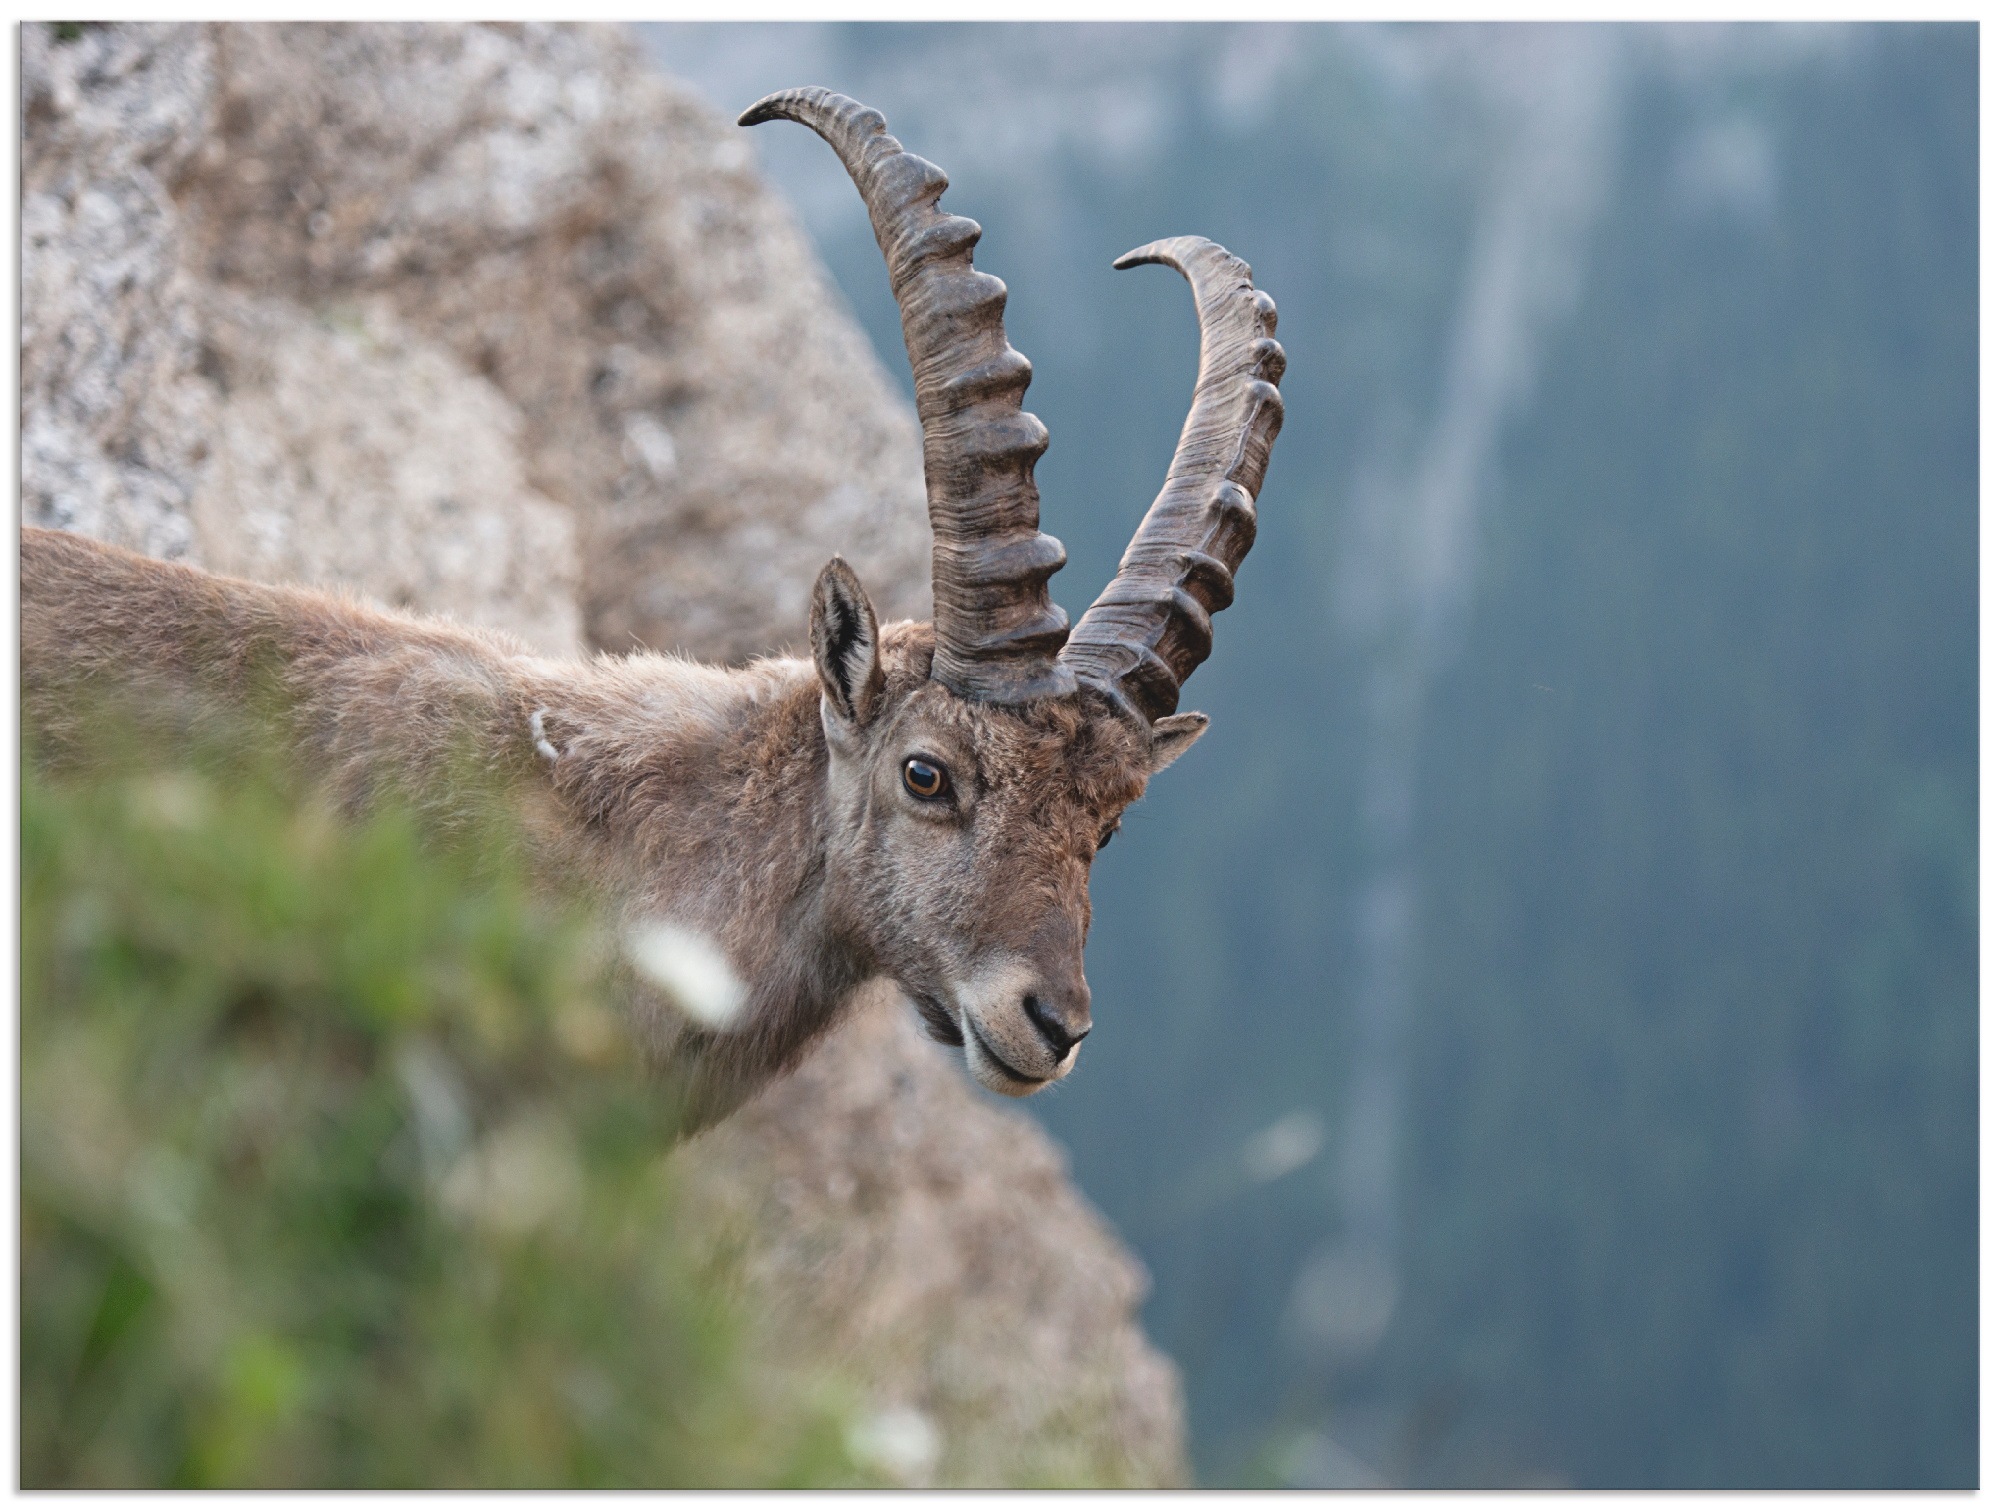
516	1179
172	799
899	1442
437	1098
689	968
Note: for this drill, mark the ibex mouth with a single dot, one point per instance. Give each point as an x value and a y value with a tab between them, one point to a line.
940	1022
981	1057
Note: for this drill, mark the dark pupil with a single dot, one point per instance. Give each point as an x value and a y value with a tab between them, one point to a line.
924	779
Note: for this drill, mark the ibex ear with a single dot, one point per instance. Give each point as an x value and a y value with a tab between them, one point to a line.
1174	736
845	644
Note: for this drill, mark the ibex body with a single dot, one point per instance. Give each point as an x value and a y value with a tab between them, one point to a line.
917	801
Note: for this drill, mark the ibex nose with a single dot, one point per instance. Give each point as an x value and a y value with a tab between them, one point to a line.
1063	1030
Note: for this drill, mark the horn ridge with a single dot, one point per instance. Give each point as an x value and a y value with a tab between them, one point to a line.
1150	627
998	633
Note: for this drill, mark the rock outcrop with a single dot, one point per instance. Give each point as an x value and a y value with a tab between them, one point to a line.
899	1224
495	321
597	244
200	419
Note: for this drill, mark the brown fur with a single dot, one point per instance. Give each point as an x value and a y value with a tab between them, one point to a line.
763	807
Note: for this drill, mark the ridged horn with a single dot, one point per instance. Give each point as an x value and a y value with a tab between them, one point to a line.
1150	628
998	634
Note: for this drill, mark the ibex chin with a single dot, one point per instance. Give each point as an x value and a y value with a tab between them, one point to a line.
921	801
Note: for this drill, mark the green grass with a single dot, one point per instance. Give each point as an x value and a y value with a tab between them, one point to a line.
336	1168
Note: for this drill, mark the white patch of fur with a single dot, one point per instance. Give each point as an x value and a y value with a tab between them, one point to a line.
543	748
689	969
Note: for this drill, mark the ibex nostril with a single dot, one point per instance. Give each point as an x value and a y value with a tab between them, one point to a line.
1048	1022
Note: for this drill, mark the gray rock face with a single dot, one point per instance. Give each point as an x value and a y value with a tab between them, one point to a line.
494	321
346	449
171	412
597	243
114	423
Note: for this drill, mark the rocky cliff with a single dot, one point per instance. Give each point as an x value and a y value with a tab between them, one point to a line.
495	321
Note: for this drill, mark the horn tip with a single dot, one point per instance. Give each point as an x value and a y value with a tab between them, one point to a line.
781	105
766	109
1139	256
1170	251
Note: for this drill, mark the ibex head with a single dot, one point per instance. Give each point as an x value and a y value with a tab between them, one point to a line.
978	763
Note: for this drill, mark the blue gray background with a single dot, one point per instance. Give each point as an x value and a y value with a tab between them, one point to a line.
1537	1027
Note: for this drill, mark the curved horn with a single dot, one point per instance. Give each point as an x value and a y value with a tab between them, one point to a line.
1150	628
997	632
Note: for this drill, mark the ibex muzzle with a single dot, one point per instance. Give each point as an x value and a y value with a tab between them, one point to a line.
987	777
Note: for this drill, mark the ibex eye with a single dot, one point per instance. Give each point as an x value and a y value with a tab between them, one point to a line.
1107	836
926	781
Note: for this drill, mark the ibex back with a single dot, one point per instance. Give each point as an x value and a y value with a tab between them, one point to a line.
921	801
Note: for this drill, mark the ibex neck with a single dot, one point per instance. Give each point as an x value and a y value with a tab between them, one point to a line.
699	795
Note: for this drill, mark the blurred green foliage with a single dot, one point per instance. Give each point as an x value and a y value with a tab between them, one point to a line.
335	1169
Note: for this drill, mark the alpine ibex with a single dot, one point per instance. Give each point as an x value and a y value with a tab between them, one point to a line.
921	801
